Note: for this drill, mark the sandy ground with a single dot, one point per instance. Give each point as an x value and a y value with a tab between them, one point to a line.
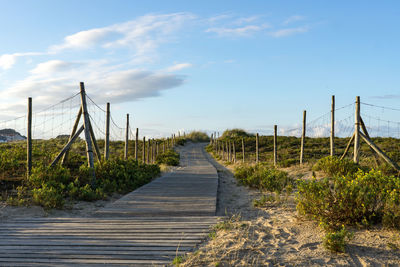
275	236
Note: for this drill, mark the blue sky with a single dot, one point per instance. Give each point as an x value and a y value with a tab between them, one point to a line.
205	65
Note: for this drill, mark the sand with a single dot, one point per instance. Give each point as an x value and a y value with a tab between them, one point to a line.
275	235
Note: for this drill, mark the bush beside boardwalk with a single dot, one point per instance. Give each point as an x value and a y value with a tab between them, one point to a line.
53	187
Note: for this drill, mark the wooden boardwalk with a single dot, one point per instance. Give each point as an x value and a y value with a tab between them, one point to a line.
150	226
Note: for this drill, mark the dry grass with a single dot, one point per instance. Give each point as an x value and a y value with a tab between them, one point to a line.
234	243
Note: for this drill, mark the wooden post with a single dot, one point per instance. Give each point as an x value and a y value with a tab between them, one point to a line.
67	146
228	144
380	152
357	130
78	117
158	147
243	150
148	152
96	147
29	139
107	141
303	137
136	144
223	150
163	146
126	137
333	126
211	139
257	156
144	150
86	123
275	145
347	147
234	151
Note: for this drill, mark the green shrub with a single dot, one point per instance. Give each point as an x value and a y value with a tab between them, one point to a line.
197	137
336	241
170	158
361	199
48	196
263	177
334	166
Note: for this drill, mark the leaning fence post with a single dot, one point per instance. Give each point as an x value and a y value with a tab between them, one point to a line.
126	137
257	152
275	145
333	127
86	123
107	141
303	136
29	139
357	130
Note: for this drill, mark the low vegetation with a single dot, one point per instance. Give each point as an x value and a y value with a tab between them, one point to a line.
263	177
53	187
170	158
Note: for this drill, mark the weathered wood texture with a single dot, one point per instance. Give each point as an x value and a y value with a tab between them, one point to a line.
107	141
29	139
303	137
357	131
332	137
148	227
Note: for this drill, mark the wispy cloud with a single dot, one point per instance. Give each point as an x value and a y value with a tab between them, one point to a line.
293	19
238	31
178	66
288	31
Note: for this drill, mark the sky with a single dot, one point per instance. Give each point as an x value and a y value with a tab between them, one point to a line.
202	65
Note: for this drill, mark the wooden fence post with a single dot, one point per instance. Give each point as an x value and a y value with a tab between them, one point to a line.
234	151
29	139
86	123
257	155
303	136
163	146
144	150
126	137
333	127
275	145
228	144
136	143
243	150
148	151
357	130
107	141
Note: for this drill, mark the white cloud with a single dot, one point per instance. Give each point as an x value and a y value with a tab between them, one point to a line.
288	32
143	34
178	66
238	31
52	66
8	60
55	80
293	19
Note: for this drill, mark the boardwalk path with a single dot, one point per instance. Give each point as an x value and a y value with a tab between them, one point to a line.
149	226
